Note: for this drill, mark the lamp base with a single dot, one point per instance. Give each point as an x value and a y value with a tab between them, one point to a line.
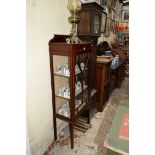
73	40
74	20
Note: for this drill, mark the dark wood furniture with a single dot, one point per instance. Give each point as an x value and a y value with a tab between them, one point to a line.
89	30
103	83
69	106
123	57
116	77
124	46
117	74
89	27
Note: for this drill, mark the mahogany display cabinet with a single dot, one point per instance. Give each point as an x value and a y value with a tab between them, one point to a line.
70	81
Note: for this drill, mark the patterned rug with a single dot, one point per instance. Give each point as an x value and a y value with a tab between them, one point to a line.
116	96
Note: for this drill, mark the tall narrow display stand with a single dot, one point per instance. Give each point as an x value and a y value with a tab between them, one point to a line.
70	81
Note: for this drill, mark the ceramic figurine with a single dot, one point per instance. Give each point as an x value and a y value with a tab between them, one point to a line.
76	87
82	65
66	113
77	68
67	72
64	110
78	103
66	69
63	69
59	69
65	93
60	111
60	92
79	85
84	83
67	86
68	93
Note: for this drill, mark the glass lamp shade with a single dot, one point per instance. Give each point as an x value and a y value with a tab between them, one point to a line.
74	5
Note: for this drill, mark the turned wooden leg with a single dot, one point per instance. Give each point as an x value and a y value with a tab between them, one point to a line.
71	129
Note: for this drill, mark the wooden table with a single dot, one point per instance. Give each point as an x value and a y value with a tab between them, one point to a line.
102	81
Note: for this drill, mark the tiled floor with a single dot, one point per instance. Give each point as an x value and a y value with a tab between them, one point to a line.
91	142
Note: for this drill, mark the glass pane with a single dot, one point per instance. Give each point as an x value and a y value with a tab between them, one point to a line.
61	65
81	81
61	84
82	62
96	24
81	101
62	107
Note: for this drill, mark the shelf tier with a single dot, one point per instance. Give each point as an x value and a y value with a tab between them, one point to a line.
68	98
79	107
77	110
76	93
93	92
64	75
80	91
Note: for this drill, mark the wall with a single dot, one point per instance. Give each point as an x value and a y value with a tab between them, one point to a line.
28	152
44	18
125	8
108	39
112	36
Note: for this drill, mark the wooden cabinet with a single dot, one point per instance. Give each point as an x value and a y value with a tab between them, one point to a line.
89	27
90	19
103	84
70	81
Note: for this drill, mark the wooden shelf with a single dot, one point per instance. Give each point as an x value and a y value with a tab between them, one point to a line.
64	75
76	93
